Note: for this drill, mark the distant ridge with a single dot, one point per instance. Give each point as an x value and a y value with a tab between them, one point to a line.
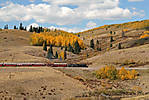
144	24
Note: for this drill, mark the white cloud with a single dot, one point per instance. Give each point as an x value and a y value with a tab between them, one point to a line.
91	24
33	25
140	13
32	0
74	30
133	8
53	13
135	0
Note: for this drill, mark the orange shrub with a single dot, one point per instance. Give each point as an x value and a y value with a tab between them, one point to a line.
125	30
145	32
144	36
111	72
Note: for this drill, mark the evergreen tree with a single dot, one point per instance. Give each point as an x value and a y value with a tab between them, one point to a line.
111	39
92	43
114	33
21	26
119	46
50	52
65	55
65	48
77	48
111	45
97	42
70	48
15	27
110	32
51	47
41	29
6	26
78	35
99	49
31	29
45	46
56	55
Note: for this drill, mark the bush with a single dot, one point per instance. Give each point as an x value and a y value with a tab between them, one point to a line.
109	72
112	73
144	36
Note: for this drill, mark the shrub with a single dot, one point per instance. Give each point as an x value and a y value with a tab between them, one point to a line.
144	36
109	72
146	32
108	49
112	73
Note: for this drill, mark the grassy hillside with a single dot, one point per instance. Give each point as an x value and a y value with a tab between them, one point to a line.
144	24
14	38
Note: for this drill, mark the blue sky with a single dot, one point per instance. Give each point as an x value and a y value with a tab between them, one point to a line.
71	15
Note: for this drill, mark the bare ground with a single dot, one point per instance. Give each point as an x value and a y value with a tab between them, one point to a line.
37	83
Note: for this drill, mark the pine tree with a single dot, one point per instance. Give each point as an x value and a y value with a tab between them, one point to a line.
78	35
111	45
51	47
70	48
61	48
77	48
114	33
99	49
65	55
15	27
45	46
50	52
111	39
56	55
110	32
65	48
31	29
6	26
119	46
92	43
21	26
97	42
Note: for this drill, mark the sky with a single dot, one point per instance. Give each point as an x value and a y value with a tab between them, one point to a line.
71	15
